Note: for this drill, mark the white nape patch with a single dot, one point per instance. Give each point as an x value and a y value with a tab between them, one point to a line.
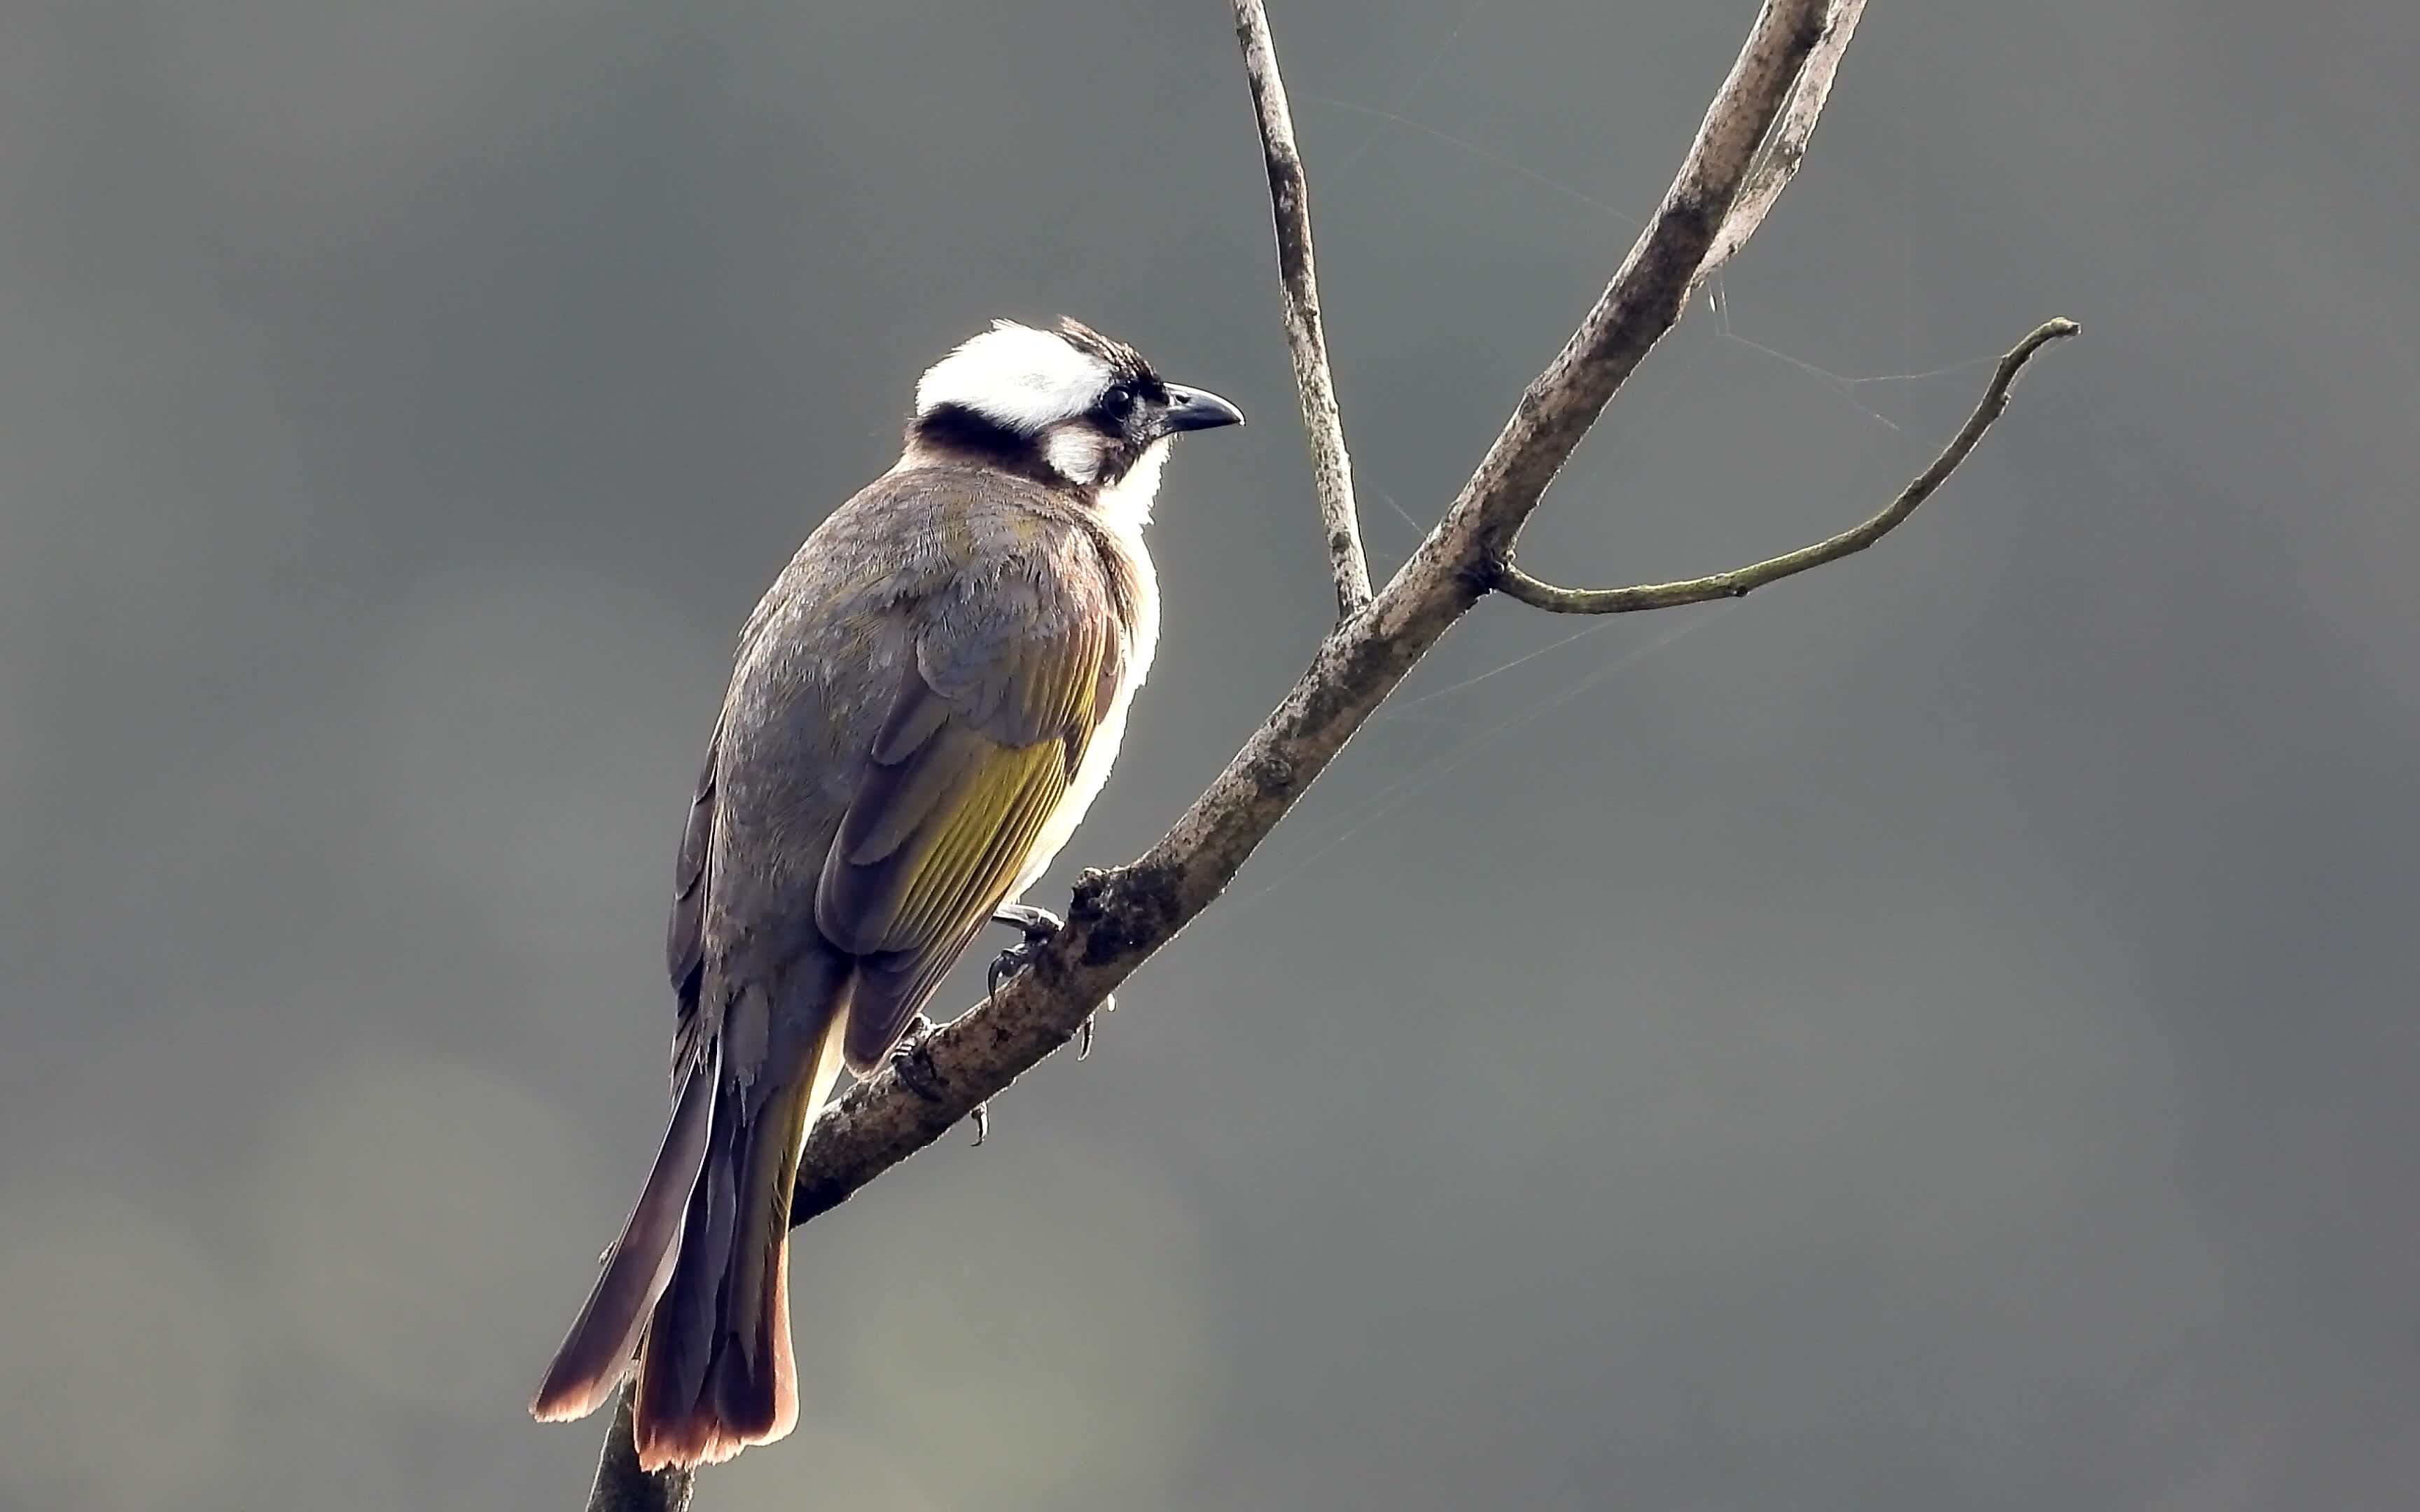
1021	378
1073	452
1127	503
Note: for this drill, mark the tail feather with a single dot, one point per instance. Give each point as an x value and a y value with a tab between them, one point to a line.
598	1350
716	1371
680	1334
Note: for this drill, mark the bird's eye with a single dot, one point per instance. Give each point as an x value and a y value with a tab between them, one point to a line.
1117	401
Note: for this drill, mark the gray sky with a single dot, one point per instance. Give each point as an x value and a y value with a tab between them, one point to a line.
1937	1035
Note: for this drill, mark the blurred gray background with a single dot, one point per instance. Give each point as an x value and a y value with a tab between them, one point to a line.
1939	1034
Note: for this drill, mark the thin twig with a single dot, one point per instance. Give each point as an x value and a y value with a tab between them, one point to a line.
1331	466
1777	162
1738	583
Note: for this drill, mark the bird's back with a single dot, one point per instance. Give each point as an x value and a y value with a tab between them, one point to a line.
929	561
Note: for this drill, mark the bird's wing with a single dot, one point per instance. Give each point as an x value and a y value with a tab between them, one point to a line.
685	935
990	719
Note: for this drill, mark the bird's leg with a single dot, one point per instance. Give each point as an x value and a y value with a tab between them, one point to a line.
913	1060
1040	926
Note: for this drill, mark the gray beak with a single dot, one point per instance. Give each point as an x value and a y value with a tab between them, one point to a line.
1195	410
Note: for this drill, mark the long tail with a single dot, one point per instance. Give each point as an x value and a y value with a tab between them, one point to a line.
716	1372
700	1273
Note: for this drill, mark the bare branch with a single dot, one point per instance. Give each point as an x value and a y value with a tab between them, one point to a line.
1778	163
1331	466
1642	302
1740	581
1121	917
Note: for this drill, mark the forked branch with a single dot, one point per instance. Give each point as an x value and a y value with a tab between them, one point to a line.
1744	154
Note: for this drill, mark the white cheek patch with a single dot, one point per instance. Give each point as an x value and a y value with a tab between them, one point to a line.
1073	453
1021	378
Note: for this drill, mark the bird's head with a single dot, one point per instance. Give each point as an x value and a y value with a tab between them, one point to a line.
1068	405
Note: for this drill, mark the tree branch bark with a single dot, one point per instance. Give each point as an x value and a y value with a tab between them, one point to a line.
1770	100
1331	466
1740	581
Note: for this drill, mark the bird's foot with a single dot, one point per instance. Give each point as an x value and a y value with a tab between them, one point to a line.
1040	926
913	1060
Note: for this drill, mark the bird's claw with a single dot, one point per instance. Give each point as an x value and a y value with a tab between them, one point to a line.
1039	926
1084	1035
911	1058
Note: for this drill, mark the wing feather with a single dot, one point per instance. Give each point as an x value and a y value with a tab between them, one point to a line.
987	726
685	933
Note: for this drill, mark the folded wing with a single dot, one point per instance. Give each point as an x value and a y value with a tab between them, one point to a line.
989	725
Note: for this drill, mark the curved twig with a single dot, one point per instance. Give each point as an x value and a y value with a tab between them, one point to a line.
1739	582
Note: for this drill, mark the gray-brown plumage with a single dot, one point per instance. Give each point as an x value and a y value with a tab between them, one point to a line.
923	706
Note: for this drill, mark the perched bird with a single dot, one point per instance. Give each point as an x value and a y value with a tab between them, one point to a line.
922	707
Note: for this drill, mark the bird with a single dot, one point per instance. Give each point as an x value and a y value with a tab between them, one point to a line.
921	710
